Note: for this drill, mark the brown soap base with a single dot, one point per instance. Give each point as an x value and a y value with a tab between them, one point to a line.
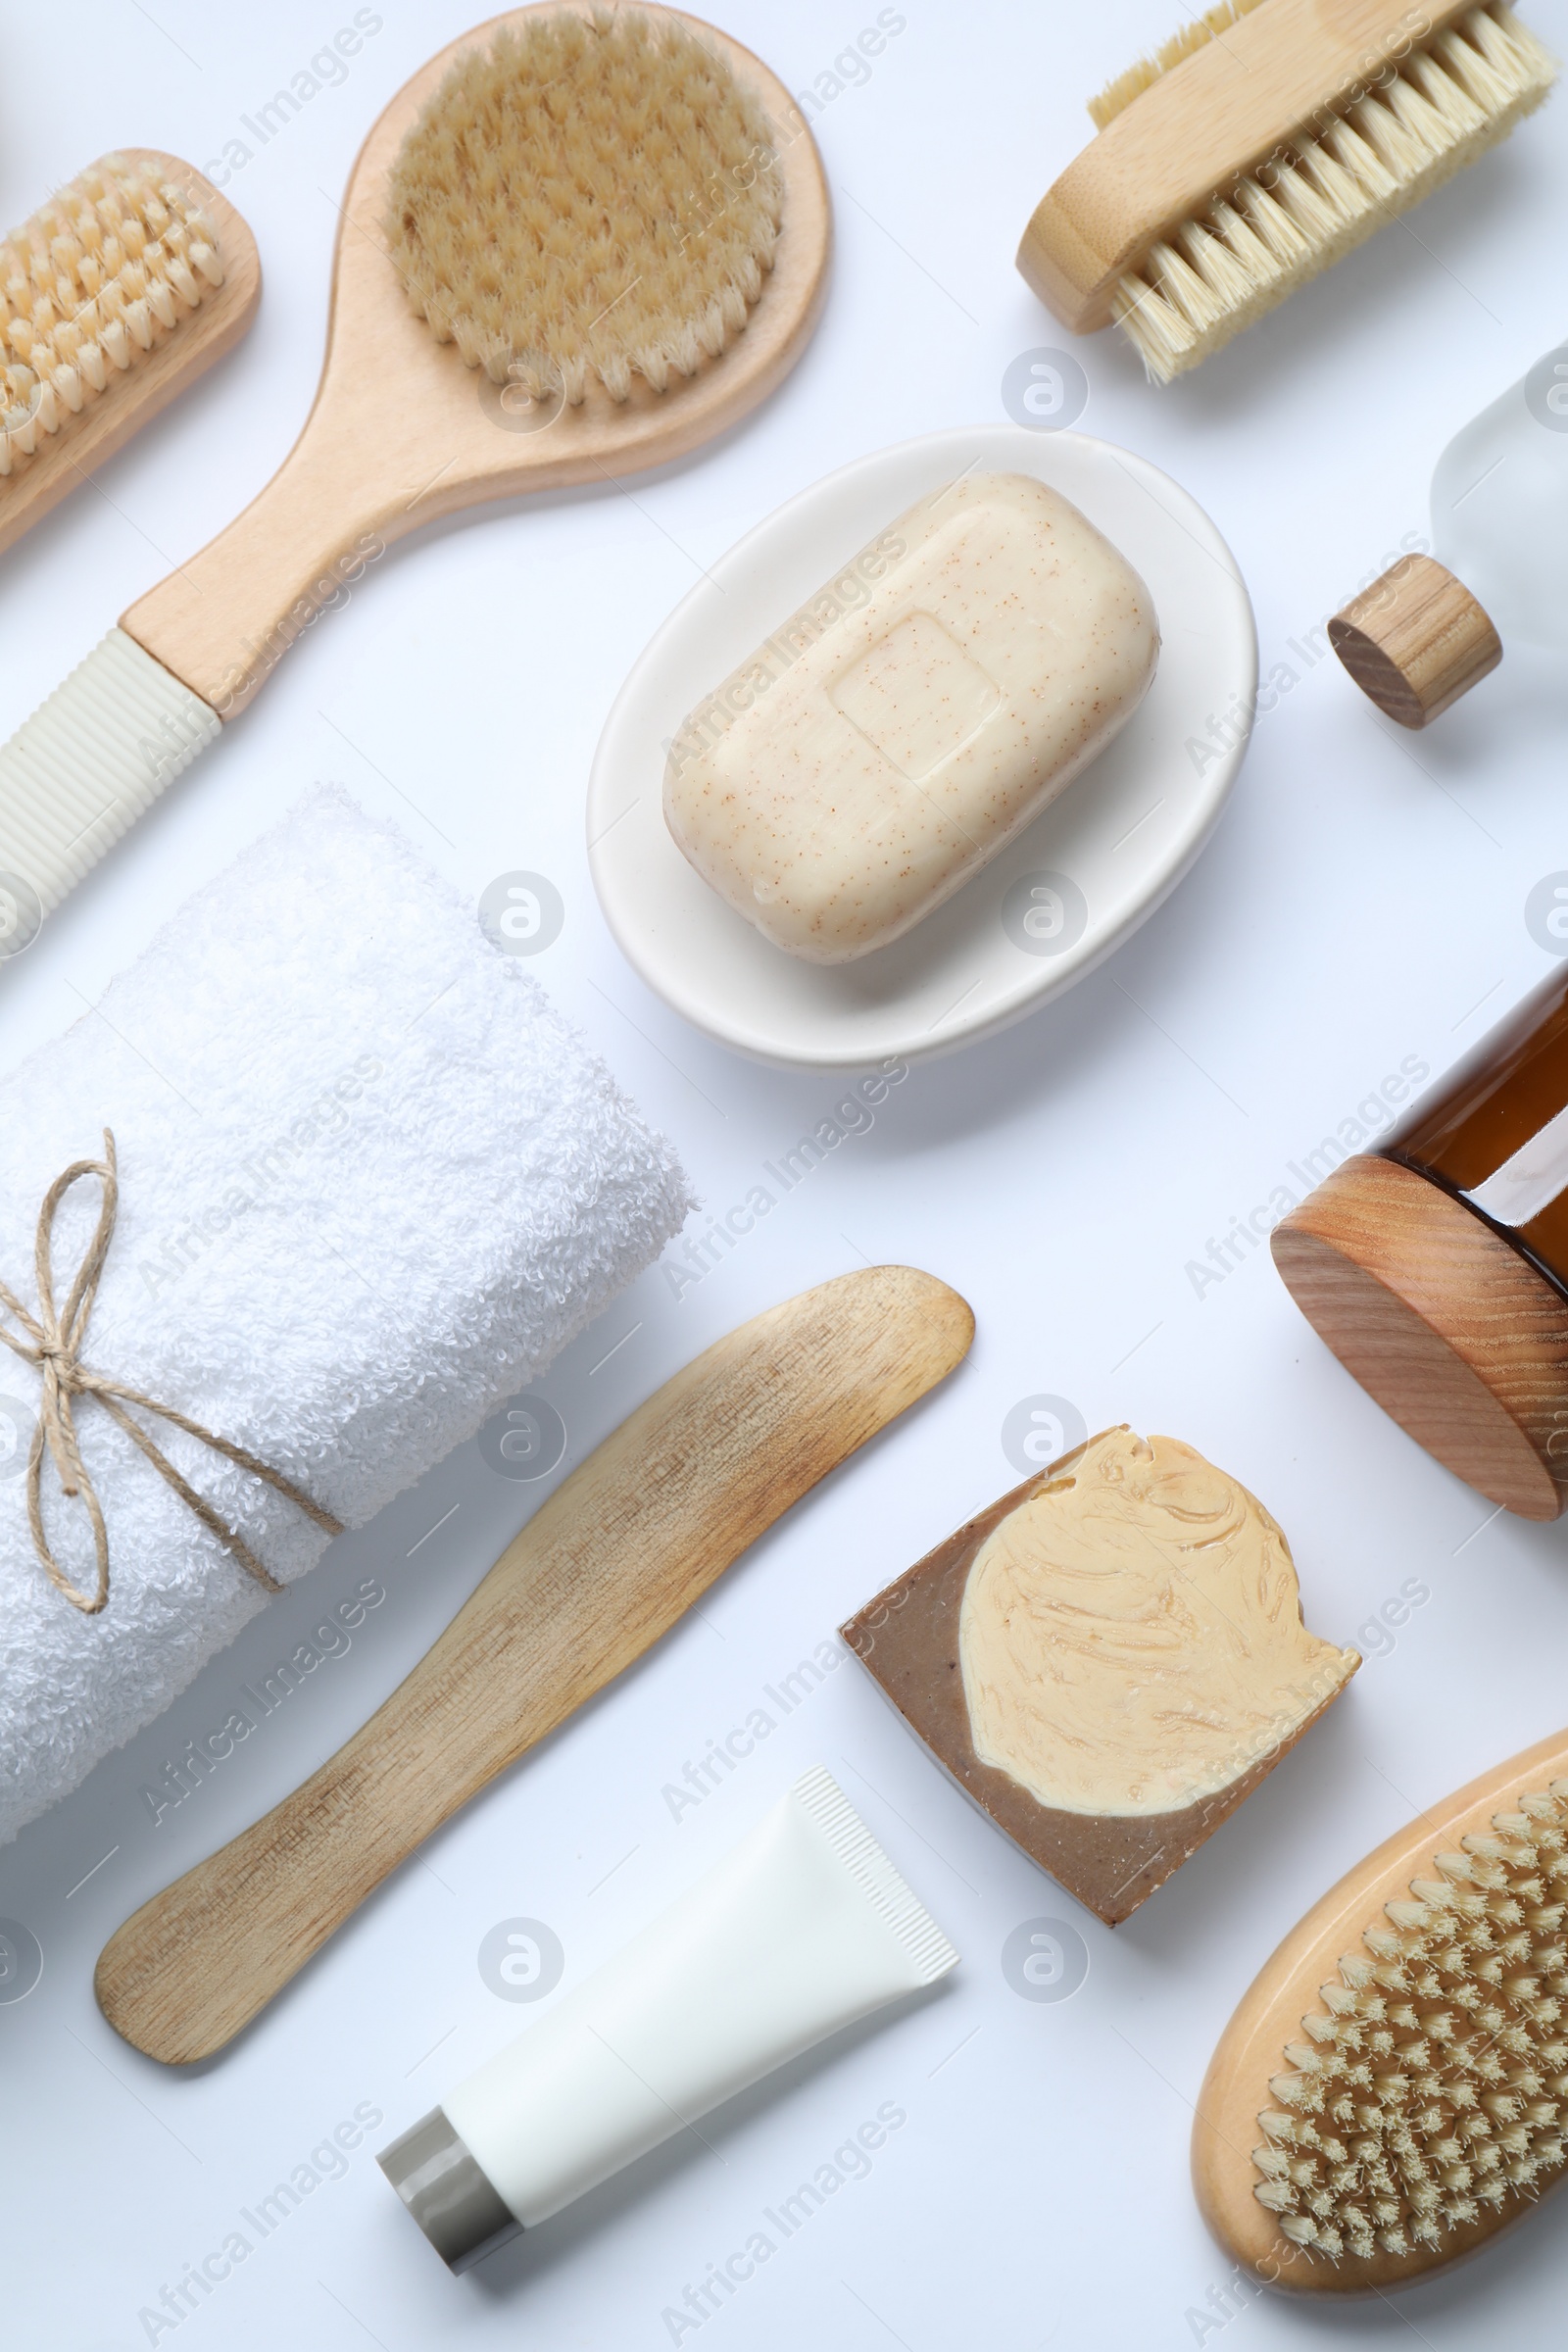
908	1640
1455	1333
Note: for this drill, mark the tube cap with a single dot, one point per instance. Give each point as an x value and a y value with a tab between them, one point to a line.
454	2202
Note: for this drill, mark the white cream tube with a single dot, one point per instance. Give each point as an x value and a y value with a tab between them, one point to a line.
805	1927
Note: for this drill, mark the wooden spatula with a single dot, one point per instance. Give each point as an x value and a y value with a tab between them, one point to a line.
608	1564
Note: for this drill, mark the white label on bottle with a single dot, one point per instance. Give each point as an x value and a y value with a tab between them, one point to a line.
1530	1180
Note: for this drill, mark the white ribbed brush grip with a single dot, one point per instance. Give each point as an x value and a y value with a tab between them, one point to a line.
90	760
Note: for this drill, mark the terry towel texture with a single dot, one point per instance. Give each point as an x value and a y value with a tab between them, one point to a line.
369	1183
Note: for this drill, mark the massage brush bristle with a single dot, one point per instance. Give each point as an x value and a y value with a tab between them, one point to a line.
114	295
117	260
587	200
1262	144
1420	2101
1435	2086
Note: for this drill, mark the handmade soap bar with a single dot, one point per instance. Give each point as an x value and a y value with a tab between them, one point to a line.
1107	1660
895	733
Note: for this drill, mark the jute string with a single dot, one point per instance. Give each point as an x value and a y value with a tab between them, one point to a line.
52	1341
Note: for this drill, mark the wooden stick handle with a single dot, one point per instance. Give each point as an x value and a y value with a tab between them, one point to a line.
224	620
609	1563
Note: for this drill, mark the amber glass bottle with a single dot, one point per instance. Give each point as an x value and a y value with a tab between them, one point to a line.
1436	1267
1494	1132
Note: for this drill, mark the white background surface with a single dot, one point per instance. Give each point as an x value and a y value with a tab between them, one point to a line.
1361	904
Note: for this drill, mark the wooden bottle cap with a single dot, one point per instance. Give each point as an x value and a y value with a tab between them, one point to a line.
1451	1331
1415	641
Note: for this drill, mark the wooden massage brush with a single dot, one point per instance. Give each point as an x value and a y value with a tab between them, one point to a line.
488	335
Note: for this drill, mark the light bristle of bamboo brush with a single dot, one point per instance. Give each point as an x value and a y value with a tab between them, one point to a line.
106	270
1431	2090
1211	25
1277	227
587	201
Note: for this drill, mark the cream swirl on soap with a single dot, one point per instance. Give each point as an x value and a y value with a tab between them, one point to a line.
1131	1637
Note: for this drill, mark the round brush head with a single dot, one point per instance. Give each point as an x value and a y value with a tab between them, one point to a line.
589	199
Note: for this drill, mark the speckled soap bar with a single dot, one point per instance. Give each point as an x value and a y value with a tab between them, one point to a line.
890	736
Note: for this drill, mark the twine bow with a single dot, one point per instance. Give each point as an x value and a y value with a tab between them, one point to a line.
53	1342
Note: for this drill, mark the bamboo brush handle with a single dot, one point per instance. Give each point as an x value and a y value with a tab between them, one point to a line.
1274	78
609	1564
222	621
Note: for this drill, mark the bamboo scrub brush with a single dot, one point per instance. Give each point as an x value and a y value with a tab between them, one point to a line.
1259	145
1393	2088
576	244
117	293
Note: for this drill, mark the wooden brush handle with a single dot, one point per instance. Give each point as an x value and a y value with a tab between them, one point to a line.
607	1565
224	620
1271	81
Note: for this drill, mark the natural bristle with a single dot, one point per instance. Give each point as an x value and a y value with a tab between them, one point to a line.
587	199
104	272
1431	2092
1211	25
1279	227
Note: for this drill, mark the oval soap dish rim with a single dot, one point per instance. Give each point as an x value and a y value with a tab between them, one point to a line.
671	975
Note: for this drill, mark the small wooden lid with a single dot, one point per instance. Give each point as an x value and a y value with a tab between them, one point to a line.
1415	641
1455	1333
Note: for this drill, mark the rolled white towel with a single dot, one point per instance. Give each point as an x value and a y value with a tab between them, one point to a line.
371	1183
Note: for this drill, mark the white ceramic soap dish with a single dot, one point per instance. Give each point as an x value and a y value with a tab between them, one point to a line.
1057	899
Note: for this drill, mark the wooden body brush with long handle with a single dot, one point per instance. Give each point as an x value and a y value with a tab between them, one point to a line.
606	1567
489	334
117	293
1259	146
1393	2088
